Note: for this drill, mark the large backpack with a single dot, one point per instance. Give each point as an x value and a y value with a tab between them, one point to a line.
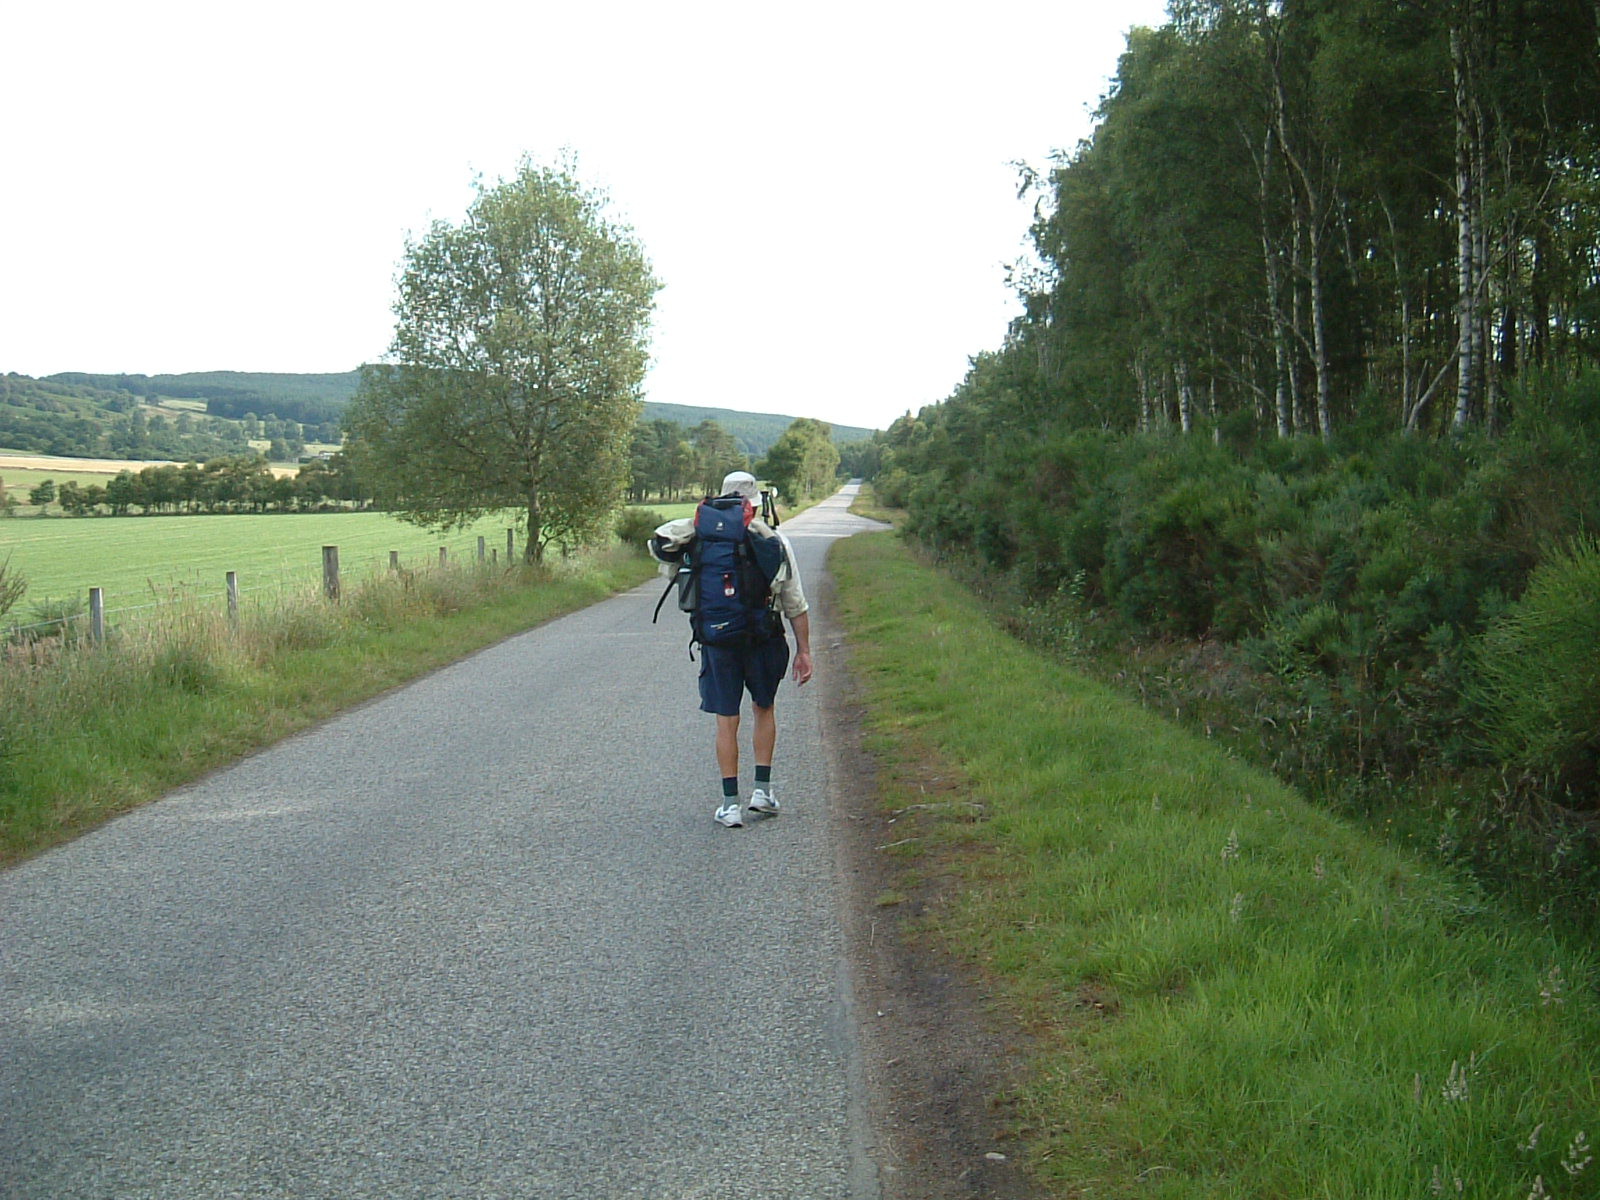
725	576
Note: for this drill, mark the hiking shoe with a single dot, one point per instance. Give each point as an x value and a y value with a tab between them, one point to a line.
762	801
729	815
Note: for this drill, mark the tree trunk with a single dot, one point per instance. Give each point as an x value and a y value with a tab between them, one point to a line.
1273	269
1468	218
1180	376
1319	335
533	544
1146	418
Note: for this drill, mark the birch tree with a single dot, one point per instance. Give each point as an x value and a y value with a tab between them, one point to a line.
514	375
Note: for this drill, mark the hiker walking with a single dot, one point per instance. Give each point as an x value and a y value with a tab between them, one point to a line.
738	580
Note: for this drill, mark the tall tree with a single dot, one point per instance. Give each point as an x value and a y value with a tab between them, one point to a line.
804	462
519	351
719	453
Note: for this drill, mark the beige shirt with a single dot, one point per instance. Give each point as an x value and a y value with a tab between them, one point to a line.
788	594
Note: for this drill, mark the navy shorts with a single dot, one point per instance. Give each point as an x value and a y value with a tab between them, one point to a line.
727	672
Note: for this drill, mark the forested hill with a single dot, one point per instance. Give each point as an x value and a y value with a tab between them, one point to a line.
755	432
310	400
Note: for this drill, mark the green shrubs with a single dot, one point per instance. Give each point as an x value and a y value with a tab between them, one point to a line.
1322	604
635	526
1538	670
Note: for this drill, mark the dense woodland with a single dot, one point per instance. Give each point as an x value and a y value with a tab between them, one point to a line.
1300	431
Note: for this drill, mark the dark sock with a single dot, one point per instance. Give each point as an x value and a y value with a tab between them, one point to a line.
763	774
730	786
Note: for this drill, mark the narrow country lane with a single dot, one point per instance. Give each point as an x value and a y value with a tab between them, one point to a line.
479	938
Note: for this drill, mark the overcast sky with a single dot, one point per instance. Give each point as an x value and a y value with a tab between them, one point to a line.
826	190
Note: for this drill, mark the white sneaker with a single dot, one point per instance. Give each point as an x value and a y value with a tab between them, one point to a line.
729	815
762	801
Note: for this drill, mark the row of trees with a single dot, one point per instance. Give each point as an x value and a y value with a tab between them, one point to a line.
668	462
1302	214
671	463
235	484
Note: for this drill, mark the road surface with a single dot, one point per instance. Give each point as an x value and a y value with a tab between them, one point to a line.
477	938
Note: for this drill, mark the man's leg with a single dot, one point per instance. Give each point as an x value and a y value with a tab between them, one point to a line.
768	663
722	693
766	734
728	744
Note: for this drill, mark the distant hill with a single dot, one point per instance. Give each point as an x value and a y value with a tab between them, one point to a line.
308	399
755	432
64	417
312	400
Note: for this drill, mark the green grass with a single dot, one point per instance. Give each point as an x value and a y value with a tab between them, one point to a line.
137	560
1234	994
19	481
88	732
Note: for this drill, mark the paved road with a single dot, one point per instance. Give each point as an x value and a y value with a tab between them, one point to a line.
479	938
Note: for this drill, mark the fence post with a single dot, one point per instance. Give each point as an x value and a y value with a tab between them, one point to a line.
97	616
511	545
233	598
444	556
330	572
481	555
394	560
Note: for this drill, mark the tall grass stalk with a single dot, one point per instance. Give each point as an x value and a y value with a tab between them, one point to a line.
1235	993
88	731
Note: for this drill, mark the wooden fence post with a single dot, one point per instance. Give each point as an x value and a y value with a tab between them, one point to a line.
233	599
394	560
480	550
444	557
97	616
330	572
511	546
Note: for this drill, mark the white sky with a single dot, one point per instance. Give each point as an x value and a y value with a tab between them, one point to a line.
825	190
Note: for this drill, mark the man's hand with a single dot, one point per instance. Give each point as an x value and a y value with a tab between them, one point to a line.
802	646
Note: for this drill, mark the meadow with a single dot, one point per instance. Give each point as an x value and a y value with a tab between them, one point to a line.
142	560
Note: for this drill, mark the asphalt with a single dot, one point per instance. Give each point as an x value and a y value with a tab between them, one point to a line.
477	938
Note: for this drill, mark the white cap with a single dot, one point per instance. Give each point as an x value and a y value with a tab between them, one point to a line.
741	483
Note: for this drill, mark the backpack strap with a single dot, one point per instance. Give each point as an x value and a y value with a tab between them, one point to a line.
672	582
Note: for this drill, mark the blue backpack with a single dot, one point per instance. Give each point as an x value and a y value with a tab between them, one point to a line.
725	575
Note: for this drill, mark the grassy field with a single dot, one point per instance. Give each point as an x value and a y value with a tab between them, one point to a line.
19	481
1232	993
138	560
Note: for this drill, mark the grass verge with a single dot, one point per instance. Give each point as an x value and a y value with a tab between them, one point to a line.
88	732
1234	993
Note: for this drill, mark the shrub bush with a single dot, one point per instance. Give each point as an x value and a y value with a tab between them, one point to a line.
1537	671
635	526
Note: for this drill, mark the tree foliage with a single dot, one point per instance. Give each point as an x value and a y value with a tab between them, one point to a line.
1297	216
804	462
519	351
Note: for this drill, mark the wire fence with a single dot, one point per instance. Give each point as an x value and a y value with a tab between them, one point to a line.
88	616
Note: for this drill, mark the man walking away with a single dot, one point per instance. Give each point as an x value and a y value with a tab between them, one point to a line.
739	580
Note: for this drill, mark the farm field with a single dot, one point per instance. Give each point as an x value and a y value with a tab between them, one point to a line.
22	472
141	560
